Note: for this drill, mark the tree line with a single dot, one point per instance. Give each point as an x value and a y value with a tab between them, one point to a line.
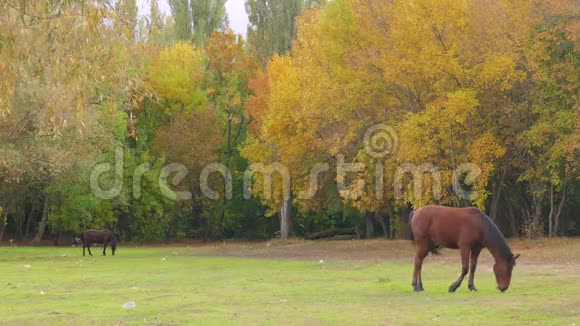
491	86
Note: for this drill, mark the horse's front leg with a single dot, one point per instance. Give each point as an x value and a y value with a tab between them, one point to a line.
105	248
474	255
464	267
89	248
84	250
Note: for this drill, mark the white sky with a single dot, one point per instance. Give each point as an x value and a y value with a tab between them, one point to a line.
236	12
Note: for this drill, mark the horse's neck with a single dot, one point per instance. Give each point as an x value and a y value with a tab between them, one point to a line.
494	240
496	248
496	253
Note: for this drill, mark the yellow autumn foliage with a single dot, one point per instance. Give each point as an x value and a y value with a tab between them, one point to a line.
176	72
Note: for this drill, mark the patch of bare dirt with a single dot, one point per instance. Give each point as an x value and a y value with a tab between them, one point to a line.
561	251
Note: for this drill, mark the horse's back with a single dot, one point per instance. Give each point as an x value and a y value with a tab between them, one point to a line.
447	226
97	236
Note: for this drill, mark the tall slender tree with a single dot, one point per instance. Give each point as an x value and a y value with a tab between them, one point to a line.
155	19
127	21
195	20
272	26
181	14
207	16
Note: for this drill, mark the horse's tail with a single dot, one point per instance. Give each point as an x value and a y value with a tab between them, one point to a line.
410	217
80	239
434	248
409	230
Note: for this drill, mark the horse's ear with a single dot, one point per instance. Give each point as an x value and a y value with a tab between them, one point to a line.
516	256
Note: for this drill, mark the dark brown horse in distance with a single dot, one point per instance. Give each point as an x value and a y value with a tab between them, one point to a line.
98	236
467	229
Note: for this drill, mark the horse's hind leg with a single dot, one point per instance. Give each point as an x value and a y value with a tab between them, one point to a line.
84	250
464	267
89	248
105	248
474	255
422	251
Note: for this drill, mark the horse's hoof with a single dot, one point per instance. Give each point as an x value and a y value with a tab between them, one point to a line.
452	288
472	288
418	290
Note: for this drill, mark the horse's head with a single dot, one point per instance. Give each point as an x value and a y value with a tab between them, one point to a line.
503	271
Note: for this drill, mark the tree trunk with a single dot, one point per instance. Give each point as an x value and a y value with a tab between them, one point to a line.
285	216
537	201
559	212
30	214
225	199
174	223
392	217
3	216
42	225
534	218
511	218
538	213
551	214
331	233
20	224
383	224
496	196
370	225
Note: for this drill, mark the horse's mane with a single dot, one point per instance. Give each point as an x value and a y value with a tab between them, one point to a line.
494	237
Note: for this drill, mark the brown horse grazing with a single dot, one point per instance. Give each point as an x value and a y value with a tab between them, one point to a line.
98	236
467	229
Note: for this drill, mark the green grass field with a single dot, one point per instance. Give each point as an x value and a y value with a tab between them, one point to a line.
359	282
